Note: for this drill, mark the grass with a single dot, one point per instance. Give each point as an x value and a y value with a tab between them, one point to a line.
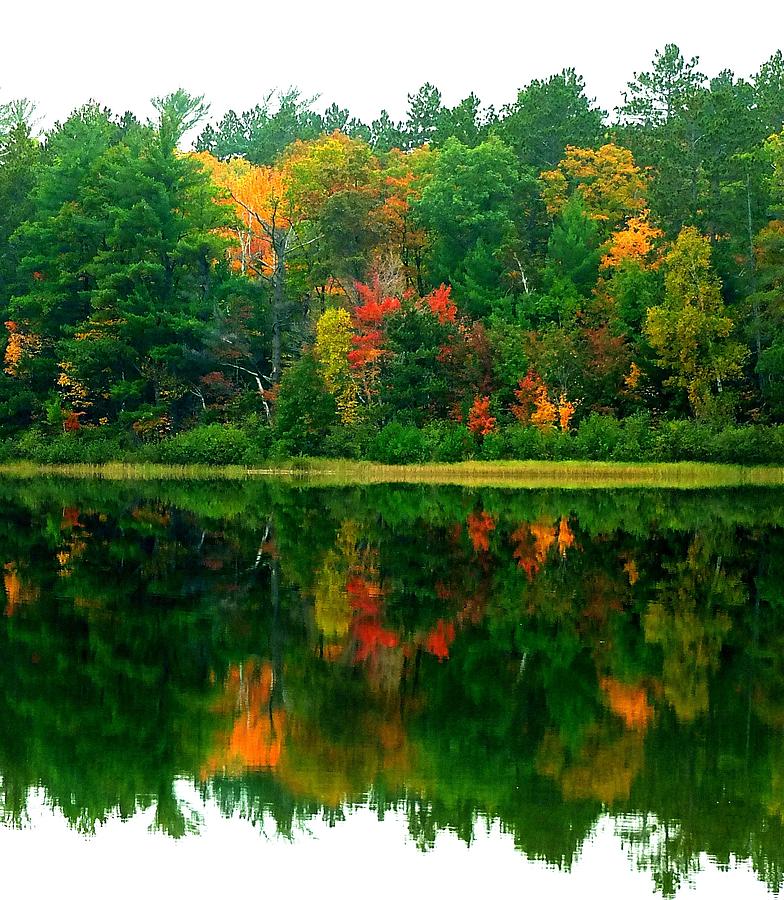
509	474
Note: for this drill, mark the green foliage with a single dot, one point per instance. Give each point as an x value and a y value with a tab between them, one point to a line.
304	409
214	445
472	206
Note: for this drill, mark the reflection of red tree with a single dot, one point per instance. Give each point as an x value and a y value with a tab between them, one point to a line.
366	599
439	639
479	527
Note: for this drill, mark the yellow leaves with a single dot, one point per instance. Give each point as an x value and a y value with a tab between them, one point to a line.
545	411
315	170
612	187
333	342
632	380
74	394
603	769
258	196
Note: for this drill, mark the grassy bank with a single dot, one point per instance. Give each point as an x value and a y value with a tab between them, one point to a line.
510	474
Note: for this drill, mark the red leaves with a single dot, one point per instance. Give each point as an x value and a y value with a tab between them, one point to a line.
441	304
526	394
479	419
374	307
479	527
439	639
72	421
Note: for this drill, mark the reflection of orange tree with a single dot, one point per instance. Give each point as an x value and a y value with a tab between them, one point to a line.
255	738
17	591
533	541
629	701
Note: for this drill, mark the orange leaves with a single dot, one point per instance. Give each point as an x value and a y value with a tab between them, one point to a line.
480	421
636	242
255	740
628	701
526	392
534	406
479	527
545	411
20	344
566	410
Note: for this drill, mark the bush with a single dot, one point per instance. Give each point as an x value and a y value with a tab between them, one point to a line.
598	437
448	442
398	444
88	445
216	445
348	442
527	442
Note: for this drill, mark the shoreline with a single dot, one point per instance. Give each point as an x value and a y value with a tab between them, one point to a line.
504	474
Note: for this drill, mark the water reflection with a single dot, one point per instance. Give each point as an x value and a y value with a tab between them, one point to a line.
541	660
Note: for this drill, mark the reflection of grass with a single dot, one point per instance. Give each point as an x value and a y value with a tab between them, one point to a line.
513	474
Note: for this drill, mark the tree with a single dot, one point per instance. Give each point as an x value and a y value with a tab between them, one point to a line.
262	133
424	113
178	113
547	117
611	186
304	409
333	345
659	121
691	331
471	207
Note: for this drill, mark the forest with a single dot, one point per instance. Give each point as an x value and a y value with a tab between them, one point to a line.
547	280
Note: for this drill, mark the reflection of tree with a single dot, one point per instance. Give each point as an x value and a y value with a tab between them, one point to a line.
530	658
691	622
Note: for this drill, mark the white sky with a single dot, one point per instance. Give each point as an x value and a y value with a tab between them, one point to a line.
358	857
361	53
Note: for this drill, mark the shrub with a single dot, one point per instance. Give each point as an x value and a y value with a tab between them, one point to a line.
447	442
218	445
597	437
397	444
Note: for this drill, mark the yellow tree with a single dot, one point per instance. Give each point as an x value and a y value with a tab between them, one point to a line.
612	187
334	332
279	209
691	331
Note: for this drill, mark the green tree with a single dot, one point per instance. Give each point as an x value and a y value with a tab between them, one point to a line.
547	117
473	207
691	331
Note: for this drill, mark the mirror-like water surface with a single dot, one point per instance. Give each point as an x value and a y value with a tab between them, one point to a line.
567	677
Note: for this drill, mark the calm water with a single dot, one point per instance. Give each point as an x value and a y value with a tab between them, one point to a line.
550	687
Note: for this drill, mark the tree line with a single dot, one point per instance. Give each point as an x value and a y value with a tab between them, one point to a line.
534	280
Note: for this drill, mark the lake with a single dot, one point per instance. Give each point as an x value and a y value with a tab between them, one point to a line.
234	684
